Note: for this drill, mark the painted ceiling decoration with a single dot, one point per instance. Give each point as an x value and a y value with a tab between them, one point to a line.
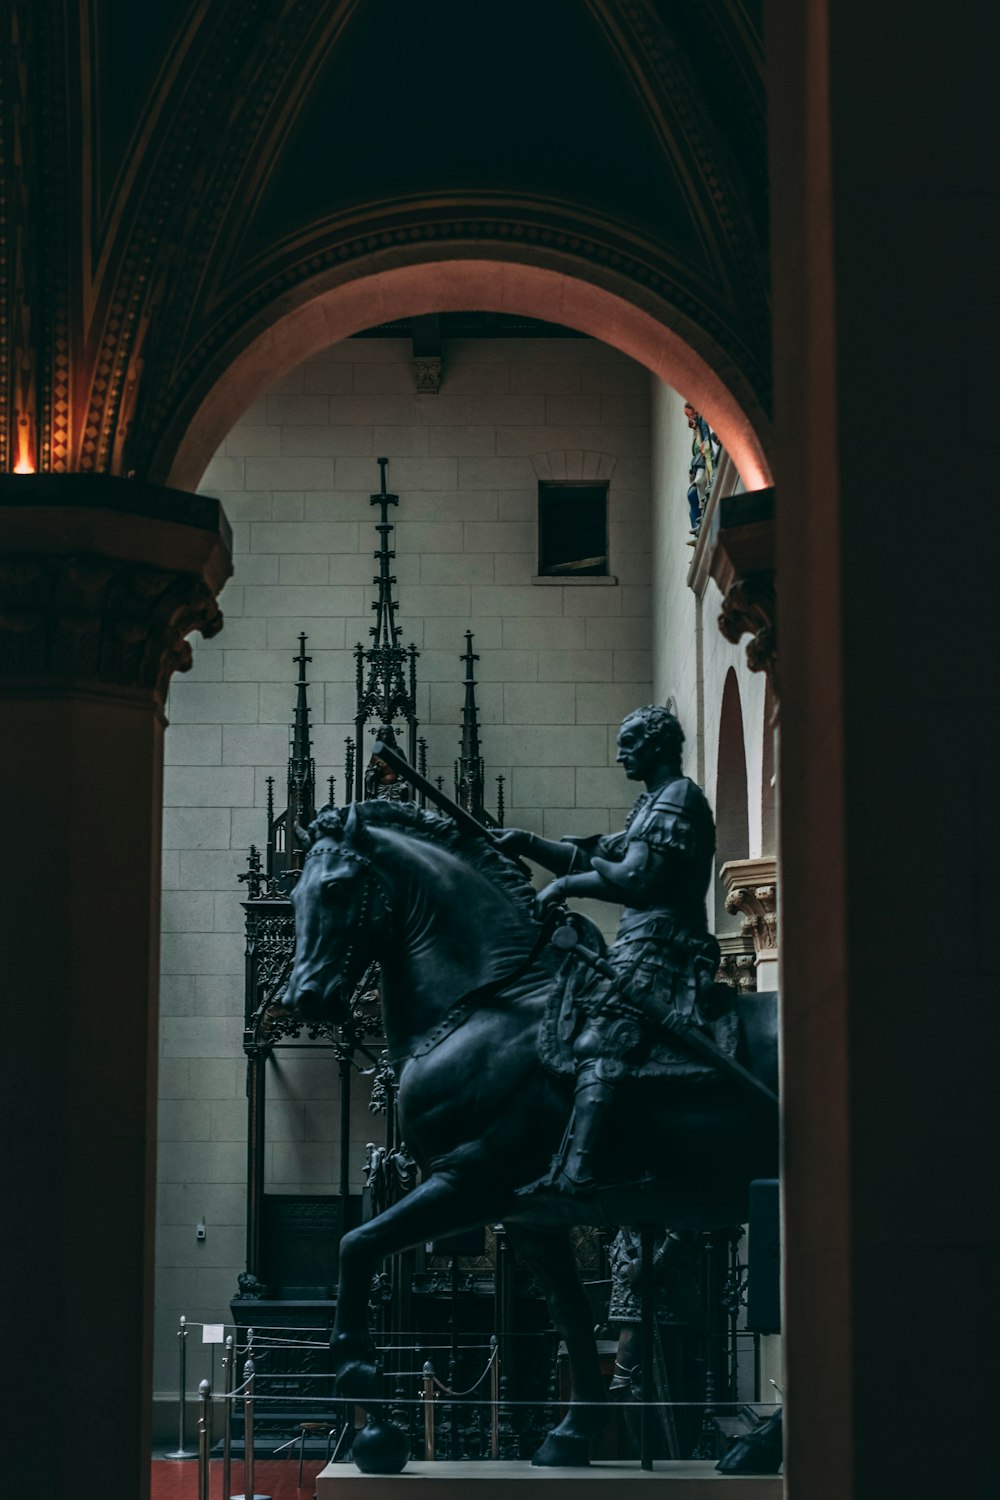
176	174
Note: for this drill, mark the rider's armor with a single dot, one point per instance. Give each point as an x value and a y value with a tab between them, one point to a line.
663	952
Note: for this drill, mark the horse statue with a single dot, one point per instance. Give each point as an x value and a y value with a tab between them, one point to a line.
468	985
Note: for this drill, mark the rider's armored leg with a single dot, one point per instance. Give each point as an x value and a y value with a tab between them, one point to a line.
572	1169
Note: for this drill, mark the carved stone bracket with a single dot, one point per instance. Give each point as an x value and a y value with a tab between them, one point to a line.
742	564
428	374
748	608
752	889
102	580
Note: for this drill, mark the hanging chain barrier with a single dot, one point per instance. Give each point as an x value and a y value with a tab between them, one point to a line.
499	1439
446	1390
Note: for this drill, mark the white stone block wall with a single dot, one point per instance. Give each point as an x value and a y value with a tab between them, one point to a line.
559	666
691	657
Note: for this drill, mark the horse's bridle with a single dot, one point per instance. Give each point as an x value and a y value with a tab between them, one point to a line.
371	881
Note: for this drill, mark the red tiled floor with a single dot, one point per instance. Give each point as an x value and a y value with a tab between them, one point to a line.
178	1480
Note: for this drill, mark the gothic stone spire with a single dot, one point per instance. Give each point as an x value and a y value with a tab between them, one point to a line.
386	671
385	632
301	804
469	775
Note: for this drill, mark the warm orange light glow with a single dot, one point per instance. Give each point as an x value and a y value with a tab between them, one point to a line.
526	290
25	464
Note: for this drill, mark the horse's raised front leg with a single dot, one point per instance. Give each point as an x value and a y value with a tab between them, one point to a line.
446	1203
550	1256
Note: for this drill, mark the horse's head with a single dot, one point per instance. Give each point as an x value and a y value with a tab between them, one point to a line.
332	902
445	916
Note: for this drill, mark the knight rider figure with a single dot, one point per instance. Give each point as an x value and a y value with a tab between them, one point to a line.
659	869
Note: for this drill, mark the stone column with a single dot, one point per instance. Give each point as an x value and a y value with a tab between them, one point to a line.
889	732
100	582
751	888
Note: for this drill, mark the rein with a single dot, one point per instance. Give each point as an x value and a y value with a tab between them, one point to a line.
462	1009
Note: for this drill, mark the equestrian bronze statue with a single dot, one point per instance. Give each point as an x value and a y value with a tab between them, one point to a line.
664	957
537	1087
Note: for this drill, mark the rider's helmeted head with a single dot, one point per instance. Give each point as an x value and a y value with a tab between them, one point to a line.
649	736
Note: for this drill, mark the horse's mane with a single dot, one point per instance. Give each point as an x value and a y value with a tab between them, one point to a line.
433	828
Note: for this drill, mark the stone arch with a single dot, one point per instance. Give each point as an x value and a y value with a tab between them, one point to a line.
732	819
602	304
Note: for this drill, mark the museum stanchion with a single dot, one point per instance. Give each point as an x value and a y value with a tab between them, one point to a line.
495	1399
228	1367
249	1378
429	1413
204	1438
181	1451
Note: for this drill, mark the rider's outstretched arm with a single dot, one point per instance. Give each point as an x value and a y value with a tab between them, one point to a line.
636	880
587	883
548	853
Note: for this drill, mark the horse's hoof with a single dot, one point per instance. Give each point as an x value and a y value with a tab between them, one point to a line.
357	1382
759	1452
561	1450
381	1448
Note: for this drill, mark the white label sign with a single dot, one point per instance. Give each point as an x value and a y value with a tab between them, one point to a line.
213	1333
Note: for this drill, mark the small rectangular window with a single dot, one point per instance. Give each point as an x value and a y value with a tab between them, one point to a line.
572	530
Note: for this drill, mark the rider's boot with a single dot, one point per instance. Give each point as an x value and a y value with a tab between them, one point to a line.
572	1170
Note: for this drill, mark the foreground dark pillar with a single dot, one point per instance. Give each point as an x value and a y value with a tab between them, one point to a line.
885	206
100	580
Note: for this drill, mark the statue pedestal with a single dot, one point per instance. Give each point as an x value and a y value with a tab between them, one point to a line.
690	1479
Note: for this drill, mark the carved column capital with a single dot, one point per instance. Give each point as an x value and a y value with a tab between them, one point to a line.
737	964
102	580
752	889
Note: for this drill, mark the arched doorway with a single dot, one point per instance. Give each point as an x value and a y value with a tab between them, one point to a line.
333	316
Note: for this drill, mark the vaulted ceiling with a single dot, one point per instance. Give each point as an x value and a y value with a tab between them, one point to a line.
178	171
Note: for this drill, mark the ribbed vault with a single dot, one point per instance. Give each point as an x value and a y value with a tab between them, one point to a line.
182	177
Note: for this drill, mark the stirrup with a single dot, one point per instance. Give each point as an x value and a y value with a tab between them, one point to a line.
557	1183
